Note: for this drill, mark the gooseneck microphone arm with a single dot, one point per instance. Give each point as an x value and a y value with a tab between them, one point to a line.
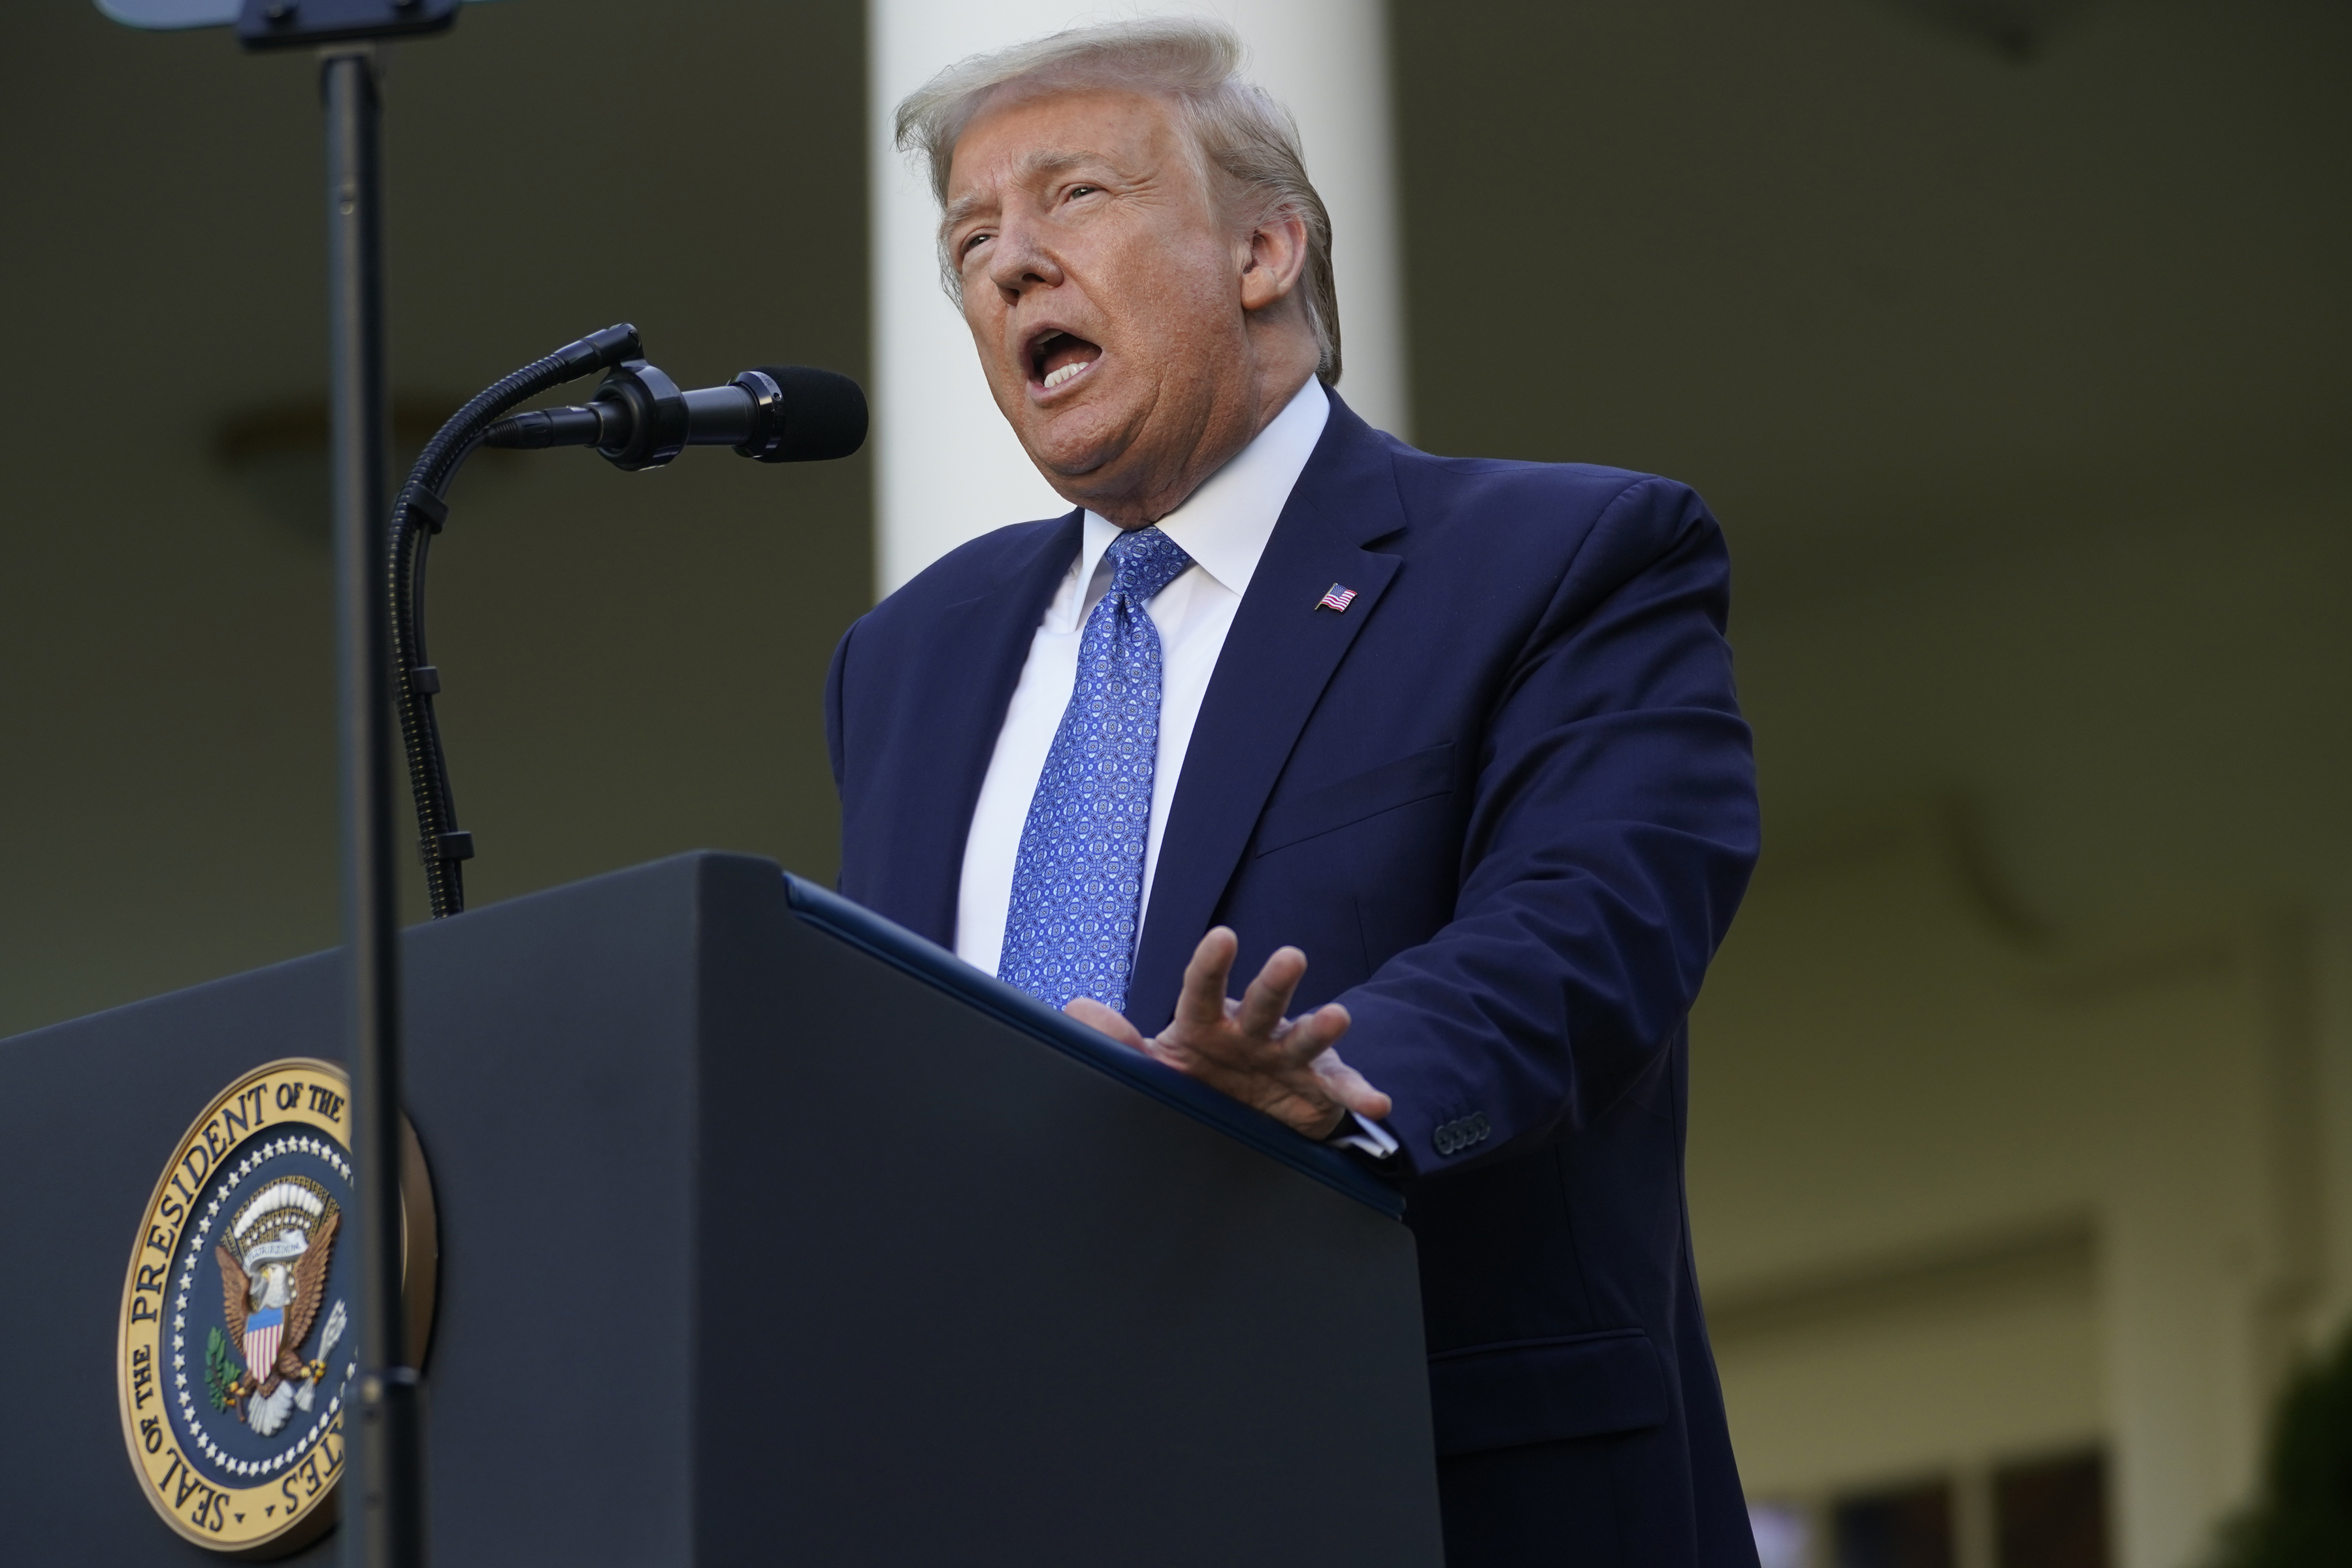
416	515
637	419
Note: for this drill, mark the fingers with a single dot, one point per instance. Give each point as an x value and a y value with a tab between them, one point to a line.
1309	1036
1094	1015
1283	1066
1202	1004
1268	996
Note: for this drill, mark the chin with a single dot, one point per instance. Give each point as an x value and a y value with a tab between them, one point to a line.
1072	443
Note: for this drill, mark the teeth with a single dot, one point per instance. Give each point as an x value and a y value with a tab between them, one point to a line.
1066	373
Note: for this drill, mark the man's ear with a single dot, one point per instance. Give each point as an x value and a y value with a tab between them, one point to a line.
1275	258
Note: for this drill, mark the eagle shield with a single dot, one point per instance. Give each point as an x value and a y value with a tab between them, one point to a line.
262	1329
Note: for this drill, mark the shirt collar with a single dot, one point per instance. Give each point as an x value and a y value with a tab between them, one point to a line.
1225	523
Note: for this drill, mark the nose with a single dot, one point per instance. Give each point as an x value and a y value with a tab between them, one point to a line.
1020	261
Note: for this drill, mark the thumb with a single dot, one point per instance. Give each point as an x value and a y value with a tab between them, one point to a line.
1103	1020
1350	1088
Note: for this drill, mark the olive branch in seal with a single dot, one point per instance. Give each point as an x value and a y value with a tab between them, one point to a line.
221	1375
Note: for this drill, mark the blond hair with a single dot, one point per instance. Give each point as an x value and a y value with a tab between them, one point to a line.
1237	129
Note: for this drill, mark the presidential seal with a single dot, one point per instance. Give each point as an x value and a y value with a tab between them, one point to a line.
237	1354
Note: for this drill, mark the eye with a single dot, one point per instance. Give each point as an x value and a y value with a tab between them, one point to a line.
972	240
1077	191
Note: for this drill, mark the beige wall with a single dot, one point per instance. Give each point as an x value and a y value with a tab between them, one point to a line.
1962	1196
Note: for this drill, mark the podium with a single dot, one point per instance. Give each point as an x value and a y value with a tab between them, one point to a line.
769	1233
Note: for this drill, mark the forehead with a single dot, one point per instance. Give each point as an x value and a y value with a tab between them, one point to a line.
1035	136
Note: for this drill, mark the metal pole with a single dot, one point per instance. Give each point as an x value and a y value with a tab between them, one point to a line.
384	1517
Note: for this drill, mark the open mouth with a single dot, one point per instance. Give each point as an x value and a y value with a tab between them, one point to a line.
1058	358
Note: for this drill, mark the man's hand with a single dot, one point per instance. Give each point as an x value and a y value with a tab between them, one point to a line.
1284	1066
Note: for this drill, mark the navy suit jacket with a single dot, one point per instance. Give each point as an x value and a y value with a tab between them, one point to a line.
1505	804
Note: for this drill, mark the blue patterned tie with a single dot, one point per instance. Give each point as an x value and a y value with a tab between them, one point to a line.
1077	883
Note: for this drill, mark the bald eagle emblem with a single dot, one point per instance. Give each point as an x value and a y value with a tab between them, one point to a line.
273	1265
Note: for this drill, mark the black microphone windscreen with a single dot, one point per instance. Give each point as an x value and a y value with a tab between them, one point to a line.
825	414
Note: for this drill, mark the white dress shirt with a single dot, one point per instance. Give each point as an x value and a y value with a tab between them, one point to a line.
1223	526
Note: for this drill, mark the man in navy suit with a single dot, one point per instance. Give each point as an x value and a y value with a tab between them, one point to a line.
1462	733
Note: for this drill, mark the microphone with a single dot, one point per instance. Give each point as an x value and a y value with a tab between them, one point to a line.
639	419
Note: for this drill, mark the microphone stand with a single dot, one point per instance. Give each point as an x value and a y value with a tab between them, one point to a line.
383	1501
419	514
780	413
384	1433
377	566
638	419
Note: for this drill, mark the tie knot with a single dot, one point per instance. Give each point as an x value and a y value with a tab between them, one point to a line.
1143	562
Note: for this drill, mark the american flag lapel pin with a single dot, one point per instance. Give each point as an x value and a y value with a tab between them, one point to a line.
1335	598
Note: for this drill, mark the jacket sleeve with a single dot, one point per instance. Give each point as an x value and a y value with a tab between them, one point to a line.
1612	828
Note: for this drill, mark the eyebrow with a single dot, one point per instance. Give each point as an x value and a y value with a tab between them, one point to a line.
1043	162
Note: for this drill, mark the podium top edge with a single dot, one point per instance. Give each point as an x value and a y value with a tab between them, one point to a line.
928	962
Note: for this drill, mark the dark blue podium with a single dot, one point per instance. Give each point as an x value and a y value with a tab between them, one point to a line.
769	1233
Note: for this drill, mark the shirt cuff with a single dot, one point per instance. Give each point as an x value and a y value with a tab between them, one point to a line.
1365	1137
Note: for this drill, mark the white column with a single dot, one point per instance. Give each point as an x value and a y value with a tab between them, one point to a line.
947	468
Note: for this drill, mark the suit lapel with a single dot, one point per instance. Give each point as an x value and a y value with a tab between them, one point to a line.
1277	658
976	653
